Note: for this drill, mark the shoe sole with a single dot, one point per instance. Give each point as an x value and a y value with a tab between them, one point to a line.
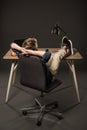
71	44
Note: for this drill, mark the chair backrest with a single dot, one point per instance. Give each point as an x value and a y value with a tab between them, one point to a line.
34	74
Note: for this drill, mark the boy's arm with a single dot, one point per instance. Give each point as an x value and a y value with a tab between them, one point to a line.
15	46
45	55
26	51
36	53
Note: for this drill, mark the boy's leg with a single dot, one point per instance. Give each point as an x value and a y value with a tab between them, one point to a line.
55	60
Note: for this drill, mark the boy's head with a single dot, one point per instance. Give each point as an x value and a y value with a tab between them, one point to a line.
30	43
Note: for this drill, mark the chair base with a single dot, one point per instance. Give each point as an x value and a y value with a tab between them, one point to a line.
42	110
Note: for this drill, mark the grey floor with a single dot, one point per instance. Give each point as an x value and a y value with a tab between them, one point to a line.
75	115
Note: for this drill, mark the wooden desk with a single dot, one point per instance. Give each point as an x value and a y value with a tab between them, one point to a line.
70	61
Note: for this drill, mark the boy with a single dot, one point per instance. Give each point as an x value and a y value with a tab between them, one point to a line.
52	60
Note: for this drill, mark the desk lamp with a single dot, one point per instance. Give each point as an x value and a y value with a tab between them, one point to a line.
56	30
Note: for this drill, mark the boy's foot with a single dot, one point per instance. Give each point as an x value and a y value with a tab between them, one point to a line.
67	44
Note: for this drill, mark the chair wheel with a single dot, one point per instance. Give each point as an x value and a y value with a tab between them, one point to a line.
24	112
56	105
39	123
60	116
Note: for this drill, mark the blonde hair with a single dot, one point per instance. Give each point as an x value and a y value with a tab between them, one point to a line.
30	43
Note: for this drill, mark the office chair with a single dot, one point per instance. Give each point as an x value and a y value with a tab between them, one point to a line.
34	75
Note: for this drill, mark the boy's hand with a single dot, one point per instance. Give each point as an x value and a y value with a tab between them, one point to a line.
23	50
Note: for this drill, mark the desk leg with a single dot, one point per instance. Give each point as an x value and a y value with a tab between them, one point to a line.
14	73
72	68
10	81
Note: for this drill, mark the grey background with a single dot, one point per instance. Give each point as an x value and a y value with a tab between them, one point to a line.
27	18
30	18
